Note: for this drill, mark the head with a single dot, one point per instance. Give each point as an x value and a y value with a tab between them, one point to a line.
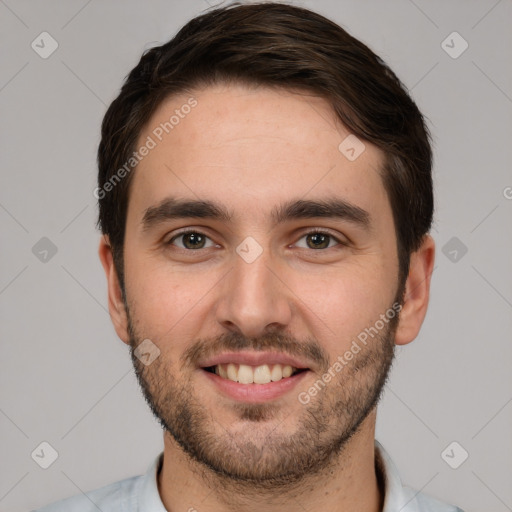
261	124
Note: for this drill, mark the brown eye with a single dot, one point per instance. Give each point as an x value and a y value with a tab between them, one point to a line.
191	240
318	240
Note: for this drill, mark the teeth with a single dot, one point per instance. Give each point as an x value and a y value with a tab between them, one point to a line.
262	374
277	372
232	372
223	372
246	374
287	371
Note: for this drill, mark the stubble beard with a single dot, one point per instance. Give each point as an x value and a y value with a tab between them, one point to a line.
255	455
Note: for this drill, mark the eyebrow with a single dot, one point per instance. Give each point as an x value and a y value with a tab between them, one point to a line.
335	208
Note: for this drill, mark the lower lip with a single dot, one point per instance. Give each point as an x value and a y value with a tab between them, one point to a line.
255	393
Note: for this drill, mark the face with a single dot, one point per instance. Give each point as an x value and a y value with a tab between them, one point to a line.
254	249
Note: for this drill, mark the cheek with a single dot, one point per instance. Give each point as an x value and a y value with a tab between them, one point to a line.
163	302
344	303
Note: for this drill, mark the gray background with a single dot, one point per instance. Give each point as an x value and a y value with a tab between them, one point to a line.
66	379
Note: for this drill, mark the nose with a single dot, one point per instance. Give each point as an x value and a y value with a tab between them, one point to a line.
253	298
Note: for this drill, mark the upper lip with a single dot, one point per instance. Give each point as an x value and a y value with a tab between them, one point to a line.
253	359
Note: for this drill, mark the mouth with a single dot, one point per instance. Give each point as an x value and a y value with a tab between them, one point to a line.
254	377
246	374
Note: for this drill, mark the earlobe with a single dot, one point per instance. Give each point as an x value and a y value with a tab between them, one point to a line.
417	292
116	304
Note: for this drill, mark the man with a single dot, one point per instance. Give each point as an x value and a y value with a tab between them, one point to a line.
265	199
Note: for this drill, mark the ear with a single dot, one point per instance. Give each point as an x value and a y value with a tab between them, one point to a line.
115	297
417	292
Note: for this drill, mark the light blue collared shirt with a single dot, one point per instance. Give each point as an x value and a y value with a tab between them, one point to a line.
140	493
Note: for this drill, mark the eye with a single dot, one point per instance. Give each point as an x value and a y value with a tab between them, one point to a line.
191	240
319	240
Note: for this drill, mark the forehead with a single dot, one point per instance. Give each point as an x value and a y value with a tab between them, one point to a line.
251	146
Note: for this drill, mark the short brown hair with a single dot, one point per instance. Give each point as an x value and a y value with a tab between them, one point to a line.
276	45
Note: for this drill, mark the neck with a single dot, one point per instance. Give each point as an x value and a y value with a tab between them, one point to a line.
349	483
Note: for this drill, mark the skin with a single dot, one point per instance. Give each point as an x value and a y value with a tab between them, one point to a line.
251	149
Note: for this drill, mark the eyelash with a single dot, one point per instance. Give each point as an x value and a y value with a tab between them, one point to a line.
311	232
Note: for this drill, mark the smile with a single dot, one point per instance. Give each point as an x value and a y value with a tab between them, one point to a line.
246	374
253	392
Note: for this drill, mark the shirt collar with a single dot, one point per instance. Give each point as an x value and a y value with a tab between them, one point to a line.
387	474
149	496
